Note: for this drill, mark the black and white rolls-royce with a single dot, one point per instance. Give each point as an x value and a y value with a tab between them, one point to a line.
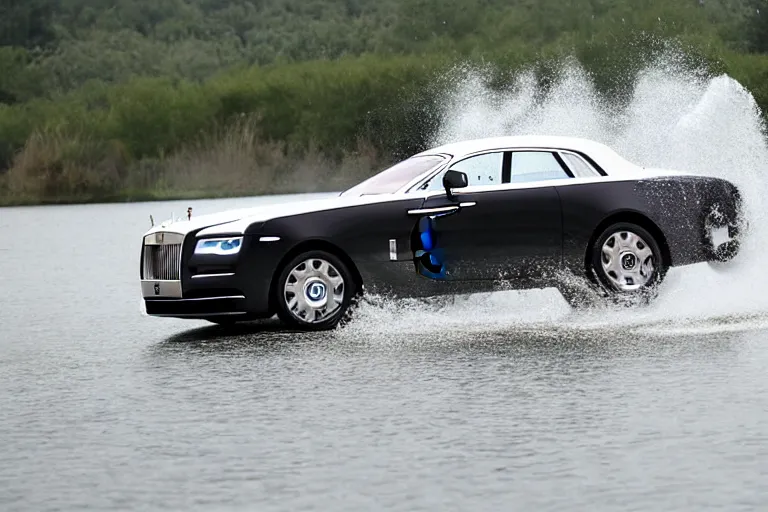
522	212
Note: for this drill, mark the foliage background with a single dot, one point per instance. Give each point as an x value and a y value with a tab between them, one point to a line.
140	99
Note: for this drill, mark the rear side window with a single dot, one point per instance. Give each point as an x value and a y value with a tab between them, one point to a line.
578	166
535	166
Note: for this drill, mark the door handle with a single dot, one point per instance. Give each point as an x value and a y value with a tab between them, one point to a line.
441	209
429	211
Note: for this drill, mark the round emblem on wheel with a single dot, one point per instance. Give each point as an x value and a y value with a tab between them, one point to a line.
316	291
628	261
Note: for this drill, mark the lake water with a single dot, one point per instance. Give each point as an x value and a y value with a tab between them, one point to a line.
506	401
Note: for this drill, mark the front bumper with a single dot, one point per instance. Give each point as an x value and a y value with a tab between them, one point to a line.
197	308
244	293
215	286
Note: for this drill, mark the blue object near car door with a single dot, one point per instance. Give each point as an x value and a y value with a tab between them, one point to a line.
495	235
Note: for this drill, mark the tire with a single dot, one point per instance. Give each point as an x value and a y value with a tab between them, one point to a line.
315	291
627	264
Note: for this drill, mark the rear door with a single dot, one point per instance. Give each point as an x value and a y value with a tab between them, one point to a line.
507	224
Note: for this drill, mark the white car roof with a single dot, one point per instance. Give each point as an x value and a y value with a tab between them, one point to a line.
605	157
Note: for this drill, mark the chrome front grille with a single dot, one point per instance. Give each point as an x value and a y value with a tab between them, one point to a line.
162	257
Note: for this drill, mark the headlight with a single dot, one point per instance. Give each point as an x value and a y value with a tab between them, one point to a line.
220	246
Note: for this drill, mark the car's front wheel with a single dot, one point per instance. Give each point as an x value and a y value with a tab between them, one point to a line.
627	262
314	291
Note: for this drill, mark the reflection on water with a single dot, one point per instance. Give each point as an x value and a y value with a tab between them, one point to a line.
554	342
221	332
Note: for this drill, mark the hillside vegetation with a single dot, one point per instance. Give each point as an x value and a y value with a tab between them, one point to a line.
181	98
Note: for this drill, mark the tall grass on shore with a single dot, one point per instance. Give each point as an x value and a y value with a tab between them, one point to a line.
306	127
234	160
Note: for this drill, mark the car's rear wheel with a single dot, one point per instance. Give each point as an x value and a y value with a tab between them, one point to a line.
314	291
627	263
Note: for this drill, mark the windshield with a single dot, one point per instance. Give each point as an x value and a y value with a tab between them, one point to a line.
397	176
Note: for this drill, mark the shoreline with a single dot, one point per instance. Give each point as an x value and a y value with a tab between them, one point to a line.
142	197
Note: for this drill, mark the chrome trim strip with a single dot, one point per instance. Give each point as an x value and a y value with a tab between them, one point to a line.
467	205
427	211
562	182
201	276
163	238
269	239
198	299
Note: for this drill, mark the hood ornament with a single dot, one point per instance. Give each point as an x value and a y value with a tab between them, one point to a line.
189	213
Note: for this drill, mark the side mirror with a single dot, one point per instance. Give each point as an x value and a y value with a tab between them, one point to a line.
454	179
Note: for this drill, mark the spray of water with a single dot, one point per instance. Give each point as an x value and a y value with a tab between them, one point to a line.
677	119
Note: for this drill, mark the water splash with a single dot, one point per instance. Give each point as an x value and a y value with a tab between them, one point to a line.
675	118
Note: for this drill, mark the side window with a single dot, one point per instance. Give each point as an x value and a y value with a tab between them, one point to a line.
535	166
578	166
482	170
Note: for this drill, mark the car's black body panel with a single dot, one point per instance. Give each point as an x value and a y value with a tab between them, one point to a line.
362	232
676	207
524	236
506	234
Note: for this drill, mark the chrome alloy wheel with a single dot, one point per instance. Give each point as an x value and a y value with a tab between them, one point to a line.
627	260
313	291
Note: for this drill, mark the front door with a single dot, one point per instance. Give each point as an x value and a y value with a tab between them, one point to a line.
498	228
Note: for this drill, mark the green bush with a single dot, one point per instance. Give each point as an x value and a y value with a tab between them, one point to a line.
154	116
